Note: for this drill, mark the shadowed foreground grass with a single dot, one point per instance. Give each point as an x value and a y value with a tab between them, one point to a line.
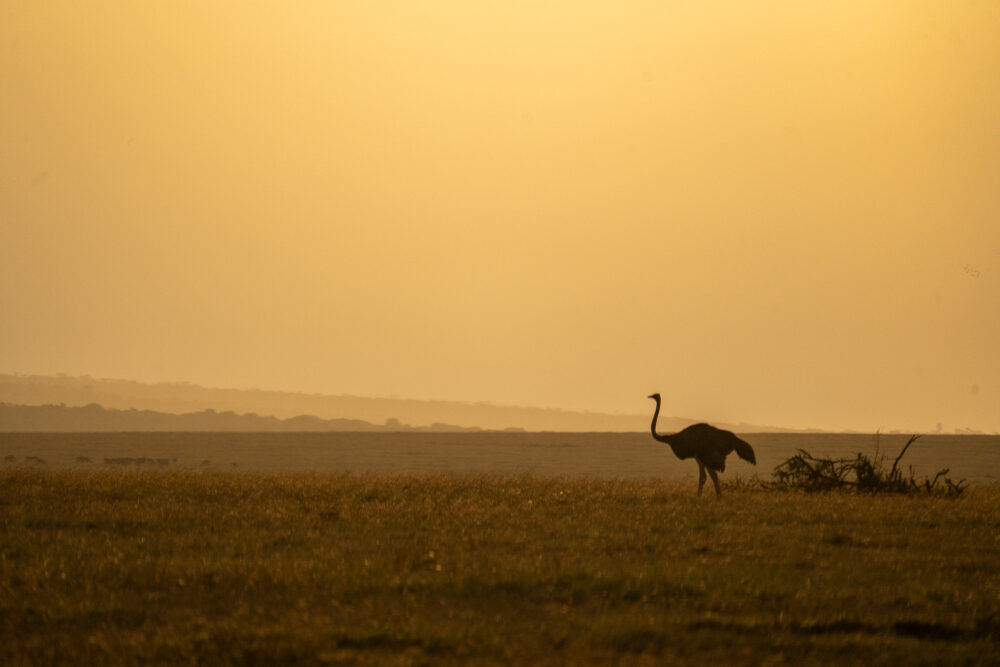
158	566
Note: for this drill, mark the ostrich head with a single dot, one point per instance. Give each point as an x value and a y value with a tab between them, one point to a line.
655	397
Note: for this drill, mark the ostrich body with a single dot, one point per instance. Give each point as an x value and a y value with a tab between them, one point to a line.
707	445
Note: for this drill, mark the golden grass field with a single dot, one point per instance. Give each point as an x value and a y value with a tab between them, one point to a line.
161	566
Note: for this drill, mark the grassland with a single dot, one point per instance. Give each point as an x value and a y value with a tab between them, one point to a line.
160	566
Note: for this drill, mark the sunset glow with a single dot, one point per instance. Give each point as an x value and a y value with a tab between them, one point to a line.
782	213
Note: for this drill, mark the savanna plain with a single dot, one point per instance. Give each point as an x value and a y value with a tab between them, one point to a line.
138	566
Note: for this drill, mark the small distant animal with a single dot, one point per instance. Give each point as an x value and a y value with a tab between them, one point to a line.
707	445
10	458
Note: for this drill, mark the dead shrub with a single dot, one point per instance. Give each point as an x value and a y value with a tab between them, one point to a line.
863	474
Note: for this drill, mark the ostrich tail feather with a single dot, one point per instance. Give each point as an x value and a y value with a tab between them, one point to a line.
745	451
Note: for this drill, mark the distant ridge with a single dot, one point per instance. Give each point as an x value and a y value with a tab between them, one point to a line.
181	398
94	418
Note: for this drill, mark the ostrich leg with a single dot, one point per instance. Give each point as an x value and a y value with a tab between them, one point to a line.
715	480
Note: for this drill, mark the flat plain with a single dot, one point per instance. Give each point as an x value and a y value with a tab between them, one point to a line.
975	458
140	566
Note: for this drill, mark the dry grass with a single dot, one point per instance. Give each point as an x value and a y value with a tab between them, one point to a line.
141	566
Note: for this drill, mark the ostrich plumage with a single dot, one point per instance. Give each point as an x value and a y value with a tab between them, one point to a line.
706	444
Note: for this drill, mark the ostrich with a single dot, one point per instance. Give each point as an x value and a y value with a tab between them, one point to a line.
708	445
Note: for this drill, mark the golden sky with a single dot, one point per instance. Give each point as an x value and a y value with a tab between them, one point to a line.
780	212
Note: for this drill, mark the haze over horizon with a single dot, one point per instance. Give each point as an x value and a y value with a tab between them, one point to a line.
776	213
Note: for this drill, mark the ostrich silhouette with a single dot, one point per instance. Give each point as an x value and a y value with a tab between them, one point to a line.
709	446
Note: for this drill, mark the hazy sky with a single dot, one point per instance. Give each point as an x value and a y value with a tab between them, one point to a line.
778	212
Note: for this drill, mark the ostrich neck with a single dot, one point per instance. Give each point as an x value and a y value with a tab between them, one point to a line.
652	426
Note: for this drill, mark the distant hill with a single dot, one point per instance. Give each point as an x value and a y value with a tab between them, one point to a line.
94	418
182	398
